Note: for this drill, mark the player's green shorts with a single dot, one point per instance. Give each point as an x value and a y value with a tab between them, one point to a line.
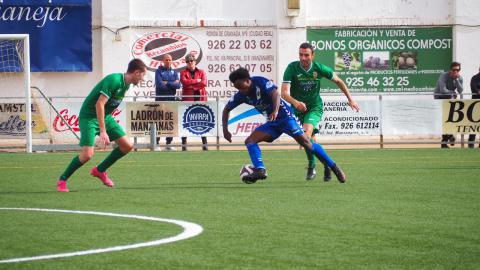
313	116
89	129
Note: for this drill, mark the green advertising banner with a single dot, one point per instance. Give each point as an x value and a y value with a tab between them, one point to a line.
406	59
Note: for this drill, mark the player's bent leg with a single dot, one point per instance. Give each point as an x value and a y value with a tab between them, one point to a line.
311	172
259	170
322	155
124	147
254	150
86	154
75	164
124	144
341	177
327	173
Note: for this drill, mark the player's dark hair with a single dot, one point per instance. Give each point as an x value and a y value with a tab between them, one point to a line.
306	45
136	64
239	74
455	64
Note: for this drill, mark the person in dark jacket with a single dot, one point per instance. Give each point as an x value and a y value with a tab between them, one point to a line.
475	87
449	84
167	81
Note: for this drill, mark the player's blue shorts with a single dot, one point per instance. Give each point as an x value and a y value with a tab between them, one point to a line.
289	126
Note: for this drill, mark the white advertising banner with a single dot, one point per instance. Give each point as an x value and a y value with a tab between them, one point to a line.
219	51
341	120
411	116
198	119
390	117
243	120
69	110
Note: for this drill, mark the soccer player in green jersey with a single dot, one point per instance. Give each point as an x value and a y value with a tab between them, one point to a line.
95	119
301	88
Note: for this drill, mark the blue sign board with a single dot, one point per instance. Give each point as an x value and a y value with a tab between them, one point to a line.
60	32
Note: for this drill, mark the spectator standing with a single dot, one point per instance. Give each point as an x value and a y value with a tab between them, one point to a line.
449	85
475	87
167	81
193	82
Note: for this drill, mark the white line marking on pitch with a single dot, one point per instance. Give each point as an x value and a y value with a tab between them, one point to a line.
190	230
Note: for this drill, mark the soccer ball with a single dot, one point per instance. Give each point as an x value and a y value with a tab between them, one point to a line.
245	170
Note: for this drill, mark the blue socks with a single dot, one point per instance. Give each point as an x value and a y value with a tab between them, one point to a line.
257	161
255	155
322	155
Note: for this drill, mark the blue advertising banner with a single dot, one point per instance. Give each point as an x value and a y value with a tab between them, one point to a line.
60	32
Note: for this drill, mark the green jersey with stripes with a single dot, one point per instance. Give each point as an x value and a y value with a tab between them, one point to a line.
305	84
113	87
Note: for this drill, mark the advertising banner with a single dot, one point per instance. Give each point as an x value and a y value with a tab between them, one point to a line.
198	119
411	116
218	51
60	32
13	121
172	119
406	59
243	120
69	110
141	114
340	120
461	117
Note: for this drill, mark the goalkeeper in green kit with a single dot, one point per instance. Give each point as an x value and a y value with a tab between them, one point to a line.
301	88
95	119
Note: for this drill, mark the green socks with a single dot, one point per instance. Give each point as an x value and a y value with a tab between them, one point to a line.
115	155
72	167
311	157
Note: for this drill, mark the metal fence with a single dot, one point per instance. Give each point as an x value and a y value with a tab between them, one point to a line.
385	120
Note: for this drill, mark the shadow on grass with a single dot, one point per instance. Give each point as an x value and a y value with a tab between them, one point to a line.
258	185
215	186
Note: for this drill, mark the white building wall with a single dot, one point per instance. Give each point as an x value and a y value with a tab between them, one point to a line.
379	12
111	52
466	48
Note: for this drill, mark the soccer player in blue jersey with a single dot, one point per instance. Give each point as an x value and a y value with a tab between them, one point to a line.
262	94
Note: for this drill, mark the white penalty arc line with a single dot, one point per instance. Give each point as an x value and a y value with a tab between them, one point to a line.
190	230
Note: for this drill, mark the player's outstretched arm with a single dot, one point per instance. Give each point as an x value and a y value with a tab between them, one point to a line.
341	84
225	115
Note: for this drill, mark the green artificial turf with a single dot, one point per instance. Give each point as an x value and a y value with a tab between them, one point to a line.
400	209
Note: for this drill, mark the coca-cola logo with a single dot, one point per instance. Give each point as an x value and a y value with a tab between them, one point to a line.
153	46
72	120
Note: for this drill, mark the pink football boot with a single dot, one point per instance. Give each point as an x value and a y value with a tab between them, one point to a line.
102	176
62	186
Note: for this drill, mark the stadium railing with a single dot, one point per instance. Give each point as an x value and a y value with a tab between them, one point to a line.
385	120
